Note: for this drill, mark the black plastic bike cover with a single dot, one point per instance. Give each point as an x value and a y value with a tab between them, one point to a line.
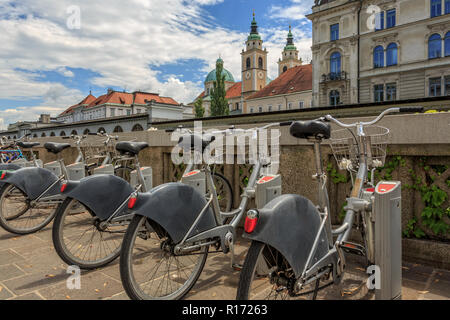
102	193
33	181
175	206
290	223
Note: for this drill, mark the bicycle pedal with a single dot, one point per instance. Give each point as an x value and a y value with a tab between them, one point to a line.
237	267
353	248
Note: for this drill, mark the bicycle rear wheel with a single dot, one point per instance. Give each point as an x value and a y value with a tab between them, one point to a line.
148	267
80	239
224	192
266	275
18	216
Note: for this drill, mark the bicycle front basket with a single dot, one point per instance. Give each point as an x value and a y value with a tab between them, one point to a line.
346	149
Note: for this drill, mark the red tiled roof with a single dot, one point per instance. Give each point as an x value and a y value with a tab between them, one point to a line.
124	98
127	98
85	101
295	79
201	95
234	91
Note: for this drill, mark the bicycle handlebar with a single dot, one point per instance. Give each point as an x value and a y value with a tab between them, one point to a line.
377	119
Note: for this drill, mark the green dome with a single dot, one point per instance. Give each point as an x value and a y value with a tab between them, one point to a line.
212	76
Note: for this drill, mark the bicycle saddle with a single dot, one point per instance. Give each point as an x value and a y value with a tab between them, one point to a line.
56	148
129	147
311	128
27	145
194	141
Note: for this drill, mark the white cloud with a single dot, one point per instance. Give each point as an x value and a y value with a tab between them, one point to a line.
119	40
296	11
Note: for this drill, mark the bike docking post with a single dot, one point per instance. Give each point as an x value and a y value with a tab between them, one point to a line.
388	240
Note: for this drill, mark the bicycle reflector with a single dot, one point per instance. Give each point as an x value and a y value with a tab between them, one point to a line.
251	220
63	187
132	201
3	175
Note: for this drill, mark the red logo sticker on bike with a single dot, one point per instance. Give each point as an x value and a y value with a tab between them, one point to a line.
385	187
191	173
265	179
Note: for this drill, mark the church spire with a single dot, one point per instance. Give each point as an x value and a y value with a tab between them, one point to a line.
254	35
290	41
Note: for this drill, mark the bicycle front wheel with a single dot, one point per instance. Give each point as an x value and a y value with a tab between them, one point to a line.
18	216
267	275
80	238
148	267
123	172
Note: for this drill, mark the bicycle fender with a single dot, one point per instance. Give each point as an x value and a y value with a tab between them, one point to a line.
33	181
102	193
8	167
175	206
289	223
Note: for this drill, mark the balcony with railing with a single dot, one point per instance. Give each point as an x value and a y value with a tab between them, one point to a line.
333	76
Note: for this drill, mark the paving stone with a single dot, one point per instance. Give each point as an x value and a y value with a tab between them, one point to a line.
94	286
438	289
28	296
4	293
9	271
29	283
8	257
119	296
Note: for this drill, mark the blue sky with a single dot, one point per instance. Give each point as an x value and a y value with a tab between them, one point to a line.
55	52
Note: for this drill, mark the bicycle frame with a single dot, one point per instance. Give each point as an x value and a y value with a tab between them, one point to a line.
355	205
223	233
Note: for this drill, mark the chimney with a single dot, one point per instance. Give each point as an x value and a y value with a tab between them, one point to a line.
44	118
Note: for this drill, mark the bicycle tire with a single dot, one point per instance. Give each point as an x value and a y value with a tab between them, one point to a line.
127	274
6	223
62	248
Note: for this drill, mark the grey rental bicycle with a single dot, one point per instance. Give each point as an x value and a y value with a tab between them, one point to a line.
90	224
174	226
29	196
293	246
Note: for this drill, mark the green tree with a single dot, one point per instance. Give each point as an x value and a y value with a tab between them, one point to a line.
219	104
198	108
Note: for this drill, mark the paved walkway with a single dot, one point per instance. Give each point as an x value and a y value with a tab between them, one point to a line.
31	269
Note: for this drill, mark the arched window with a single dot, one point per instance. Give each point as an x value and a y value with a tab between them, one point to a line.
248	63
260	62
52	134
62	134
434	46
118	129
101	130
137	127
335	98
86	131
335	65
43	135
447	43
391	54
378	57
74	132
284	68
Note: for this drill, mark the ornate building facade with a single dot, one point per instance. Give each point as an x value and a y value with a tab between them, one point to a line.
380	50
254	75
